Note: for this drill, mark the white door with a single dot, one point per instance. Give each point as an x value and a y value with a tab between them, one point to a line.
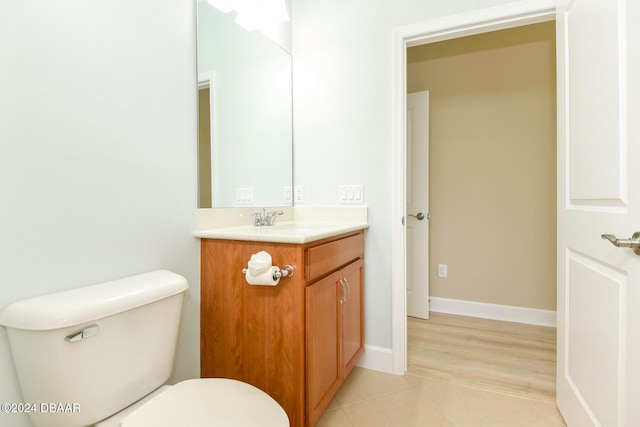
417	197
598	373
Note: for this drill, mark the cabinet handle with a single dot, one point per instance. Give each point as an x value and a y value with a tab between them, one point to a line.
344	292
348	289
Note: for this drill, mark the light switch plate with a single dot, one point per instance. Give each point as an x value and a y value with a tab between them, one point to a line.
351	194
244	196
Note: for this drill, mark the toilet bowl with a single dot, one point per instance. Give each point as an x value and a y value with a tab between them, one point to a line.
109	349
203	402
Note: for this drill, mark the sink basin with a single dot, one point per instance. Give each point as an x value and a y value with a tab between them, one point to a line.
299	227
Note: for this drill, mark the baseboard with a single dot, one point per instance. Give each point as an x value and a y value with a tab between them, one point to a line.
377	358
508	313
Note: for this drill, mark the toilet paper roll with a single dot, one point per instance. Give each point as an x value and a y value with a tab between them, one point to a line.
266	278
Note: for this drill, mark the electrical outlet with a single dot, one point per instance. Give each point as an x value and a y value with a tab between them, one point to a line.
298	194
442	270
287	194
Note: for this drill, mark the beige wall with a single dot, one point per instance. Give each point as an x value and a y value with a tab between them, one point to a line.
204	149
492	164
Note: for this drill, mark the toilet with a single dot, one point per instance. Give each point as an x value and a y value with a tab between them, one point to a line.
102	353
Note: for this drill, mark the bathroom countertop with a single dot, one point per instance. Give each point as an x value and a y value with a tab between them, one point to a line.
283	232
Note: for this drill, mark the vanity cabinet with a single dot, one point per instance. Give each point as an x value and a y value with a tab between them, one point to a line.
298	340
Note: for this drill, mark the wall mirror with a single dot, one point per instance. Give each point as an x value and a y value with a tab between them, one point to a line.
245	103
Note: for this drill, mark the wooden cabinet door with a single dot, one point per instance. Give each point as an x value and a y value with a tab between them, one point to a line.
352	327
322	344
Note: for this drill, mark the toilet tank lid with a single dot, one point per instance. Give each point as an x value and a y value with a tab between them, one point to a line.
79	306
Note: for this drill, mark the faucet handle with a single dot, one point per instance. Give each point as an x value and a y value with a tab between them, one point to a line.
258	218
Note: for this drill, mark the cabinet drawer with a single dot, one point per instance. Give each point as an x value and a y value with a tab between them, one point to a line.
323	259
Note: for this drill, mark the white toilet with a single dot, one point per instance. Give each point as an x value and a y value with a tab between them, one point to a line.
101	354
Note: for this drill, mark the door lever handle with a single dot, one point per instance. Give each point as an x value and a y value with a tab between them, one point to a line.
419	216
633	242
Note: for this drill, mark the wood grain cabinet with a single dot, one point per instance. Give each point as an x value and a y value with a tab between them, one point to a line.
298	340
333	334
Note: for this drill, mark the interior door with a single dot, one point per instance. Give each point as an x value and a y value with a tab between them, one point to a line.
599	192
417	198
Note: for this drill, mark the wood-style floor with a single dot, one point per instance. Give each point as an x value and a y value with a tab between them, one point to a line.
463	372
503	357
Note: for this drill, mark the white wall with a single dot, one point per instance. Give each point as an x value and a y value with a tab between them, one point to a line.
343	117
97	153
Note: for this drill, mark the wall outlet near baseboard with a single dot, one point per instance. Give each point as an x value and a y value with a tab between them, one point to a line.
442	270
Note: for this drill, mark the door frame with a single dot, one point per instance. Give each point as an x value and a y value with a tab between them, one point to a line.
491	19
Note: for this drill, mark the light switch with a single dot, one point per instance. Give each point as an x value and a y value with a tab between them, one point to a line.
357	194
244	196
351	194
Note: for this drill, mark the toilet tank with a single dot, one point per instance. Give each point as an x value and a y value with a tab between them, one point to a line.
84	354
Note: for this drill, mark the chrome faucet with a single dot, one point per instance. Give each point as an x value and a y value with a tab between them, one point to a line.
264	218
271	217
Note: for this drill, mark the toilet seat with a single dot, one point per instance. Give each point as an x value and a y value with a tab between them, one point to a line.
210	401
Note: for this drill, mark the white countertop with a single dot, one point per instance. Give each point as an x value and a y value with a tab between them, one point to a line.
296	225
284	232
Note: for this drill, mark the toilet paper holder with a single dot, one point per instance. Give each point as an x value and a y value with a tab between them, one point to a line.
286	271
